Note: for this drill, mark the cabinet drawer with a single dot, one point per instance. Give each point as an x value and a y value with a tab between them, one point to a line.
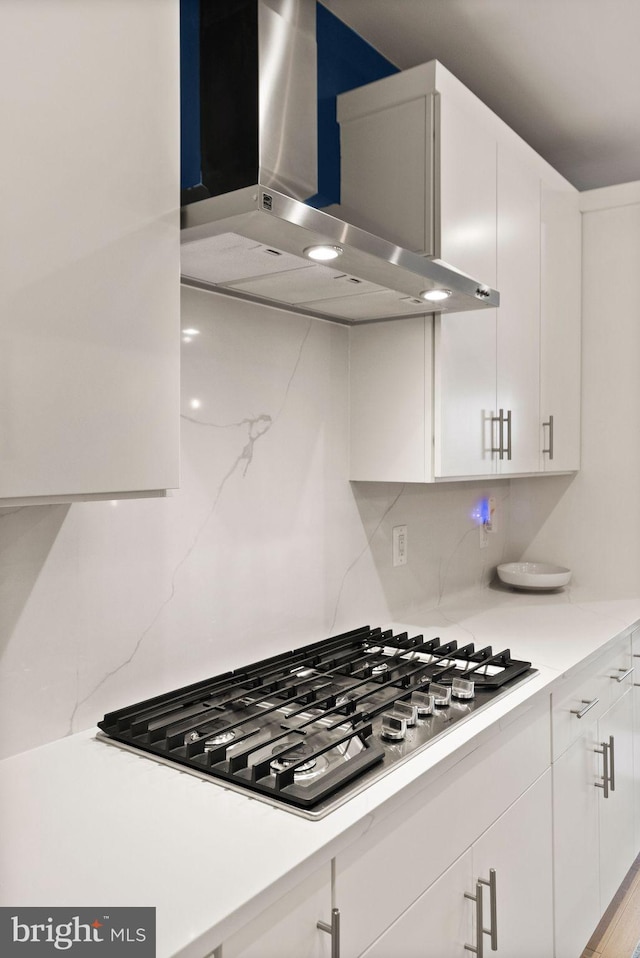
413	847
590	693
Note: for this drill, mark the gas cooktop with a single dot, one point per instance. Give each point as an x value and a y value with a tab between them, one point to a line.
308	729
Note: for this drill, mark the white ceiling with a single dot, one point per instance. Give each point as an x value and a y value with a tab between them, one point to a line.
565	74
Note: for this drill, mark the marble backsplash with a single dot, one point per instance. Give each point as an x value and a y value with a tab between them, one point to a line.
266	544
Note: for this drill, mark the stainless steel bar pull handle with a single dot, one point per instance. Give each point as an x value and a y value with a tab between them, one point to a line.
493	908
549	449
493	913
604	784
478	948
612	763
587	706
627	673
334	930
501	419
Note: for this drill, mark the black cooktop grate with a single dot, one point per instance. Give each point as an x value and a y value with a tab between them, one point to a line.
300	726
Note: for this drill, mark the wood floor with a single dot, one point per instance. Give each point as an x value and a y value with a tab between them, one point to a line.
619	930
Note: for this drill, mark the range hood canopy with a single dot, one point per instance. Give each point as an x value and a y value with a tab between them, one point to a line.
252	239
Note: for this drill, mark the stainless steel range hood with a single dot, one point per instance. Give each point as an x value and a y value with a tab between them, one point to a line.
250	240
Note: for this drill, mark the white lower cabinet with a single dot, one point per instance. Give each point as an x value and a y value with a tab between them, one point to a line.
439	924
519	848
615	731
508	871
541	847
289	929
385	880
575	837
635	646
593	800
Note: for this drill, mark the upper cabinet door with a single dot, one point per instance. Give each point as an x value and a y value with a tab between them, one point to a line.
465	343
390	400
561	247
89	275
387	170
465	181
518	340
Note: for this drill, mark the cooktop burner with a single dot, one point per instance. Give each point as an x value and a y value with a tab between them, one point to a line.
309	728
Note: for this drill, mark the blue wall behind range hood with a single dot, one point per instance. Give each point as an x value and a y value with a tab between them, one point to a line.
345	61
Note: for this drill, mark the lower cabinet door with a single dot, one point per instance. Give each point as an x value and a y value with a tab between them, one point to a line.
510	869
575	841
437	925
288	929
616	811
636	737
518	849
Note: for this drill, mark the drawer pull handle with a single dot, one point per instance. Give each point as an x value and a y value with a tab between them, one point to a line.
587	706
334	930
627	673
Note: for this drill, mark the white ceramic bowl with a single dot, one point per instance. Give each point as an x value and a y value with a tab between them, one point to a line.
533	575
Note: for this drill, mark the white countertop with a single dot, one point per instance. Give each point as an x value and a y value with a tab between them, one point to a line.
86	823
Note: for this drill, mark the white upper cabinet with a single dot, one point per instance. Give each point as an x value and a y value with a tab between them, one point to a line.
390	408
387	164
429	166
561	280
418	167
465	343
518	325
89	274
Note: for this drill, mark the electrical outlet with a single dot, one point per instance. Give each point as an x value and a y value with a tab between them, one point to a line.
399	545
484	538
485	516
491	523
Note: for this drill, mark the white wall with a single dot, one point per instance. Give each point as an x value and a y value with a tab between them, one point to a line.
265	546
592	523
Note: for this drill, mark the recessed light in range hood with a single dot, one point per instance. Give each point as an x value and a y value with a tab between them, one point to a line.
253	242
259	255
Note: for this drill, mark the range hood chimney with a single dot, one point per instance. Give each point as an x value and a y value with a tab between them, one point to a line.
248	229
